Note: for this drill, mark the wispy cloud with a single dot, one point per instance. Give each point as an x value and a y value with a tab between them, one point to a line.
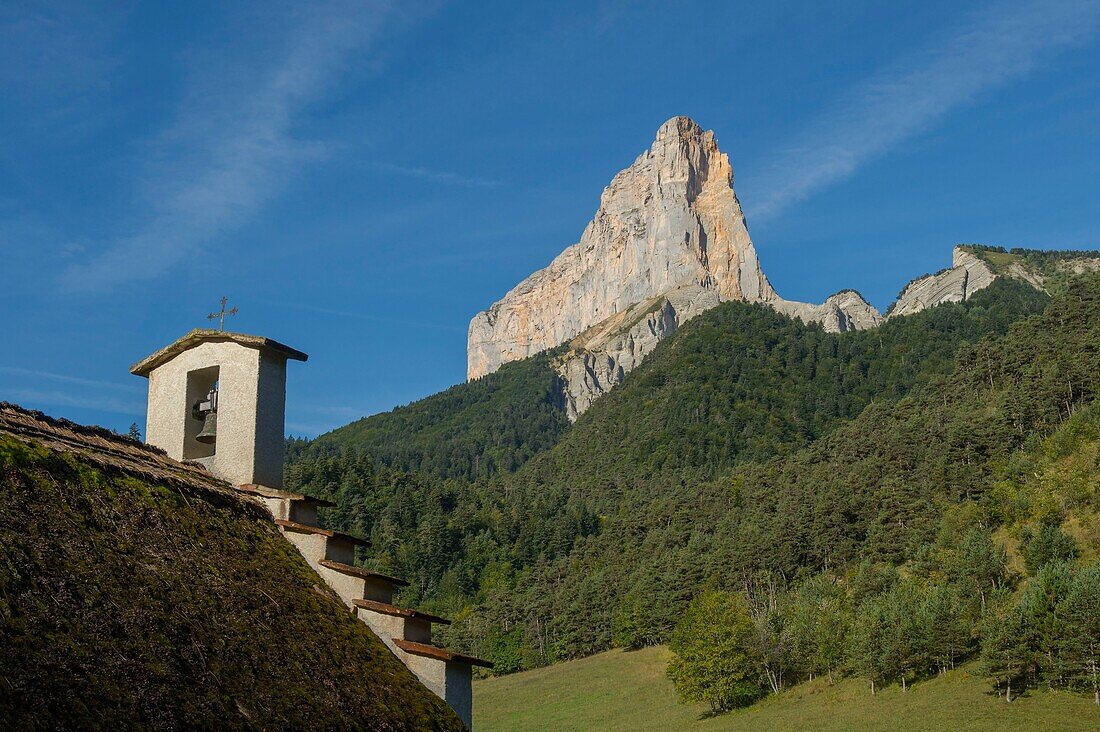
66	379
363	316
992	48
233	144
438	176
59	398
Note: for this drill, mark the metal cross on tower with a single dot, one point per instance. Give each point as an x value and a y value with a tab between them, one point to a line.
220	316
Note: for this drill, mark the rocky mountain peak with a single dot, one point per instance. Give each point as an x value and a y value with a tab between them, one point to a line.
669	220
668	242
678	137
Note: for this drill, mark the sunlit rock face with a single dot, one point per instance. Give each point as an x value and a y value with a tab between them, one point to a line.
968	274
599	358
668	242
670	220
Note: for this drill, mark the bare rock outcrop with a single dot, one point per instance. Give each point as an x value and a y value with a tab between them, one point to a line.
669	220
668	242
845	311
968	274
1079	266
599	358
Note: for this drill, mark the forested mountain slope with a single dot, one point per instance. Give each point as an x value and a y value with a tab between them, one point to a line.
873	488
629	509
472	430
743	383
494	424
869	486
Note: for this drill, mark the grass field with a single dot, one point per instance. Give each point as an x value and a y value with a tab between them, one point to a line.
628	691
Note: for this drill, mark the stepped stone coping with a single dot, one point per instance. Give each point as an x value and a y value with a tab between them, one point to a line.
363	573
306	529
402	612
262	490
423	649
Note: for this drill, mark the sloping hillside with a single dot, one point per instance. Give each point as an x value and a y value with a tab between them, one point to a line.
472	430
629	691
1049	270
874	488
136	592
742	383
621	512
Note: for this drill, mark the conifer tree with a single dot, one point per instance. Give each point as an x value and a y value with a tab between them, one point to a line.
1079	632
870	626
1006	654
945	632
979	565
1045	544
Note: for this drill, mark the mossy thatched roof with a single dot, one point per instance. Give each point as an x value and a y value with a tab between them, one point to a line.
137	592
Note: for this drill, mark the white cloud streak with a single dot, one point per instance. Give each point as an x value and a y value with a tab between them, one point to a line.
66	379
1001	44
438	176
363	316
232	146
58	398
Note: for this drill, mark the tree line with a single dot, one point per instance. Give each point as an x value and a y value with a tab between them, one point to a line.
604	539
733	646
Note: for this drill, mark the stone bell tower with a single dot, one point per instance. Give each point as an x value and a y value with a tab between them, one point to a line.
218	398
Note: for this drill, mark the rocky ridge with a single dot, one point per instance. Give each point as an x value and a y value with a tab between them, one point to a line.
846	310
670	219
668	242
968	274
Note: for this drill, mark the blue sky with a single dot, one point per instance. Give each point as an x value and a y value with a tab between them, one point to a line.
361	178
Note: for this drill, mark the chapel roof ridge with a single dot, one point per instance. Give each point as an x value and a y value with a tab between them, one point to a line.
202	335
106	449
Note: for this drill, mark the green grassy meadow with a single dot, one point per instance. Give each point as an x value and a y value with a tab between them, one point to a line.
621	690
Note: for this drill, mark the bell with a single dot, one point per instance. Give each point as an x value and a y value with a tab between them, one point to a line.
209	433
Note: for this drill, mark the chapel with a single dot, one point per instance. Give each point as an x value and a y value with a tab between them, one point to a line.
217	399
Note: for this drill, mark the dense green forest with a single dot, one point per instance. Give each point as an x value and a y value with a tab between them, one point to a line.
743	383
676	480
1030	619
871	489
470	431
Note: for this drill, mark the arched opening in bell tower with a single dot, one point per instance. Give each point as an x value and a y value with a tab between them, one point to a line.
200	414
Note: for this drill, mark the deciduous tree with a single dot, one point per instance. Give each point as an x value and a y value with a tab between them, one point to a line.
711	662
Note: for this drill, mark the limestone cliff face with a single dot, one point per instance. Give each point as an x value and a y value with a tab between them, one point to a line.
599	358
845	311
968	274
669	220
668	242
